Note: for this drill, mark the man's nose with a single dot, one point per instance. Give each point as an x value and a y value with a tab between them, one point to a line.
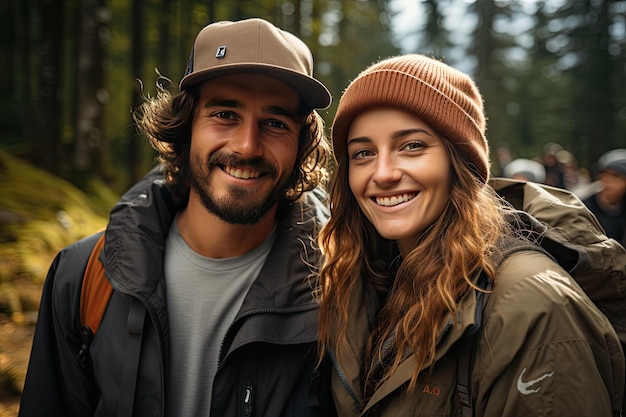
247	141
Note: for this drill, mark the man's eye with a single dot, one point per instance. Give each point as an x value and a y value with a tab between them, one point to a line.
224	115
276	124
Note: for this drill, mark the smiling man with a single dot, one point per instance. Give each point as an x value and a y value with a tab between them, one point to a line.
214	245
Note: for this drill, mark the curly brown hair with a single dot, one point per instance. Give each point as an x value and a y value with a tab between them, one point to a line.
166	121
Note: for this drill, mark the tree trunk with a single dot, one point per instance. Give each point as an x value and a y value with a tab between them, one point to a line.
90	150
16	106
49	102
137	59
165	34
483	46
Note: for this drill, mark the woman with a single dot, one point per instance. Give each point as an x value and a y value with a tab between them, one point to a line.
415	241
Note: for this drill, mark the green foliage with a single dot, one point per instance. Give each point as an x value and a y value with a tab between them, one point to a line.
40	215
550	71
561	79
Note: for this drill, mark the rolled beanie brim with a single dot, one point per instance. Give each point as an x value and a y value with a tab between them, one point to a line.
453	107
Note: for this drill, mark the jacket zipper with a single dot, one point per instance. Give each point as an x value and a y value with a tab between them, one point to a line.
82	357
152	315
358	406
248	400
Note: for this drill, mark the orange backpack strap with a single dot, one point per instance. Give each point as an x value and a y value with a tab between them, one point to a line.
96	290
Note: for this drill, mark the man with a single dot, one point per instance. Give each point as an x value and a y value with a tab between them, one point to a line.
609	203
552	165
215	246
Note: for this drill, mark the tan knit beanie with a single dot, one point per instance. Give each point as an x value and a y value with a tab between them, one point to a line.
442	96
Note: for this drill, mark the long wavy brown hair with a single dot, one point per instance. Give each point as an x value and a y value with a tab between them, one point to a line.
166	121
417	291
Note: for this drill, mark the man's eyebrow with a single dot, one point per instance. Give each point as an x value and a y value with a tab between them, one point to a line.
235	104
222	102
280	111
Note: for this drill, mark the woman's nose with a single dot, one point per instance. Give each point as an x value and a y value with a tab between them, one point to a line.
386	171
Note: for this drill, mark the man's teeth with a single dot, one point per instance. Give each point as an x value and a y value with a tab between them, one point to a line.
242	173
394	200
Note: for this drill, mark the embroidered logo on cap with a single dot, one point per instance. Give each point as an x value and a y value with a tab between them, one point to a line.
221	52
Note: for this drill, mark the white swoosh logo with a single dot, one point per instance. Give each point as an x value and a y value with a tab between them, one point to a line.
523	387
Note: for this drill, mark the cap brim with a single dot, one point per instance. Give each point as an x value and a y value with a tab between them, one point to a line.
312	92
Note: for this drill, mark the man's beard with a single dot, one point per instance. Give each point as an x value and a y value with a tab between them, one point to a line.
242	205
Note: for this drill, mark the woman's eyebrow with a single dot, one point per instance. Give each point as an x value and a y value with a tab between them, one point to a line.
396	135
360	139
404	132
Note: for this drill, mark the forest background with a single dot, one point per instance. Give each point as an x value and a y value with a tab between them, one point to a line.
72	71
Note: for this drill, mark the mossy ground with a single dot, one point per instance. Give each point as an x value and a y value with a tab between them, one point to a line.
39	215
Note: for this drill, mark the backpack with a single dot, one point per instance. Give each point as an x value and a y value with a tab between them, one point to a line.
95	294
574	238
96	290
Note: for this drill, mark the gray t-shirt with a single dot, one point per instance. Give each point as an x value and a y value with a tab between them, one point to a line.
203	297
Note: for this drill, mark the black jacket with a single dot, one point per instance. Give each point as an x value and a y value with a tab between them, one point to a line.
614	224
268	353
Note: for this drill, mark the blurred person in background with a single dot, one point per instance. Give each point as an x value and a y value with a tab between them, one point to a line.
526	170
574	177
504	156
609	203
553	167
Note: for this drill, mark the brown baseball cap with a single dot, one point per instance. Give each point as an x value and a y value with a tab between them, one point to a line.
255	45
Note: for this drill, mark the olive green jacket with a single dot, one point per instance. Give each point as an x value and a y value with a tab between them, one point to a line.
544	350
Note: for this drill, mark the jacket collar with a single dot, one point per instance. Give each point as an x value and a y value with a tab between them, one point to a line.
137	232
451	330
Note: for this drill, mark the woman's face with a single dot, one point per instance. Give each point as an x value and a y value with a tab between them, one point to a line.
399	172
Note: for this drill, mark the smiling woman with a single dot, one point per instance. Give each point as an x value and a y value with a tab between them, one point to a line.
399	173
416	239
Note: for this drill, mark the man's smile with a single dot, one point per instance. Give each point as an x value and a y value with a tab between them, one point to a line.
242	173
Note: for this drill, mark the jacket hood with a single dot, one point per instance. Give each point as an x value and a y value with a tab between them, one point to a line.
136	233
135	248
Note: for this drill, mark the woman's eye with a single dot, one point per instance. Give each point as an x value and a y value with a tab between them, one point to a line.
414	146
363	153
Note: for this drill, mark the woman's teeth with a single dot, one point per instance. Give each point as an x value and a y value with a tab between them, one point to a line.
394	200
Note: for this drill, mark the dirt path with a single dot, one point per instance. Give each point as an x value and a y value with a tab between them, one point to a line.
15	344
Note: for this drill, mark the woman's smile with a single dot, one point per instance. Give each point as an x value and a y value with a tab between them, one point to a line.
399	172
394	200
